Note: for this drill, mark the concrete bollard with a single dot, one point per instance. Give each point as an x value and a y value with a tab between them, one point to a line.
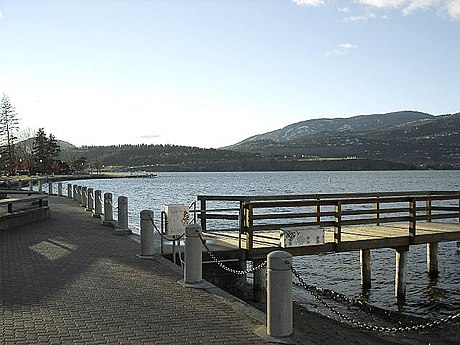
69	191
75	192
59	188
193	271
97	204
90	203
50	188
279	294
148	237
84	197
31	185
40	185
108	209
79	194
19	184
122	228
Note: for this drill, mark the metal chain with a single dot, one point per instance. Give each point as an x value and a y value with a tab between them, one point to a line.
365	326
226	268
162	235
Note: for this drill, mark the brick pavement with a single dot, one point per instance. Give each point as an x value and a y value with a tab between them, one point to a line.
68	280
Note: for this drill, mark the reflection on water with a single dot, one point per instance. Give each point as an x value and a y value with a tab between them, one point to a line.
340	271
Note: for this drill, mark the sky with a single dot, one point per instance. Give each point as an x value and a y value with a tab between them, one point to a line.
211	73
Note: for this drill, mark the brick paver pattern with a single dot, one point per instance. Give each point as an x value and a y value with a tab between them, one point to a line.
69	280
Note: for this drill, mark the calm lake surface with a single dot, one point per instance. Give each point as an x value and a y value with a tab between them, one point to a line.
339	272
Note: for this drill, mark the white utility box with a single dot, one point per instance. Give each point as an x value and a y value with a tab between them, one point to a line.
301	236
177	218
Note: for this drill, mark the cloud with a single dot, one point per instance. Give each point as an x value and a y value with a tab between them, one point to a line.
153	136
383	3
341	50
309	2
343	9
1	16
453	8
362	18
419	5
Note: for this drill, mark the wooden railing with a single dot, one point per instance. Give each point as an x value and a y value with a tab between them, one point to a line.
256	214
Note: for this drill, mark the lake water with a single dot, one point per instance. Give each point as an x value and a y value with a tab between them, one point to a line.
339	272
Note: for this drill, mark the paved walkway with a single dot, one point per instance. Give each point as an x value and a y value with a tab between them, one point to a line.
68	280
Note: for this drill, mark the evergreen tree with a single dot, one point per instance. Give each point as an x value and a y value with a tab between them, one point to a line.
8	131
45	150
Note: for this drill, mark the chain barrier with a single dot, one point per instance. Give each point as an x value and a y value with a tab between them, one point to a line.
162	235
226	268
314	291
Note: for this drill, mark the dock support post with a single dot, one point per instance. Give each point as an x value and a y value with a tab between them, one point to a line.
84	197
31	185
365	266
69	191
50	188
432	259
148	247
279	294
97	204
59	188
122	228
90	204
401	272
260	282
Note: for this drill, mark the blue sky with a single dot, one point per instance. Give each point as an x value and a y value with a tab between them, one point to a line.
211	73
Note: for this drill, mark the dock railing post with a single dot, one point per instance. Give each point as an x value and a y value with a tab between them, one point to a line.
148	245
249	226
97	204
108	209
412	217
203	214
90	205
338	223
122	228
193	266
279	294
377	211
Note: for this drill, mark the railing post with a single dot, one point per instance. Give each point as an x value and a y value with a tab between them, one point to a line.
148	247
90	204
428	210
318	212
59	188
122	228
412	217
249	227
69	190
97	204
193	268
279	294
50	188
338	223
108	209
377	211
203	214
84	197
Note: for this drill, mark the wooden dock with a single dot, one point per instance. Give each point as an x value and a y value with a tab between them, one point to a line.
249	227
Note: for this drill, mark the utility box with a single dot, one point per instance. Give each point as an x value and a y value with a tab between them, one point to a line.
301	236
177	218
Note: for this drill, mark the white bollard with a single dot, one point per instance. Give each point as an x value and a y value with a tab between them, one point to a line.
59	188
108	209
97	204
279	294
193	271
90	204
148	247
122	228
84	197
50	188
31	185
69	191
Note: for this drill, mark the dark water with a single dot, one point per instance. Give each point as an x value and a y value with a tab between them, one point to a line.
339	272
